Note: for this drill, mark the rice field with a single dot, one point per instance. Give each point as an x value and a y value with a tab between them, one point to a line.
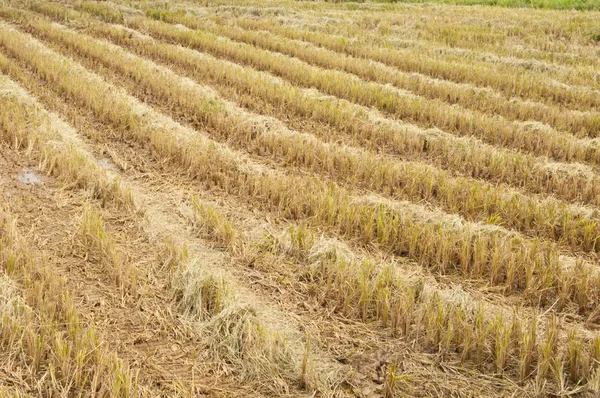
298	199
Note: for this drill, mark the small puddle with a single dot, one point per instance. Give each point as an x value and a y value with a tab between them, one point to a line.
29	177
106	164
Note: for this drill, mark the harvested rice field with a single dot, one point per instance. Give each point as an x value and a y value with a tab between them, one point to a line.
298	199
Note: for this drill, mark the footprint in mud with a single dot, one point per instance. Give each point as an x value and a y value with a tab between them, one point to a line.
29	177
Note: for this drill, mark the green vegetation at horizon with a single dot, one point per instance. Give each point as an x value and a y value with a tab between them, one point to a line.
544	4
